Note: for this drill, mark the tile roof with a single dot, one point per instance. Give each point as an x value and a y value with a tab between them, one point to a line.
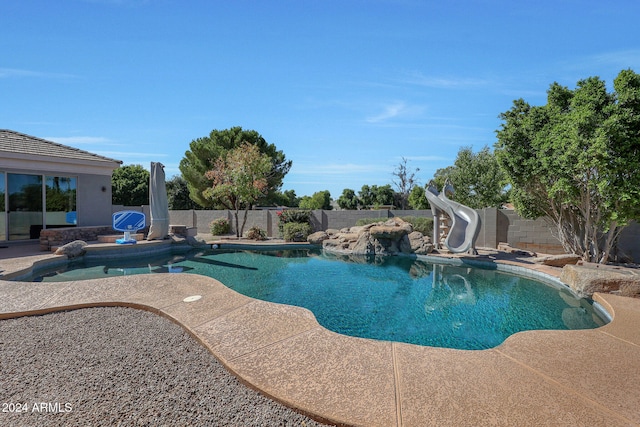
16	142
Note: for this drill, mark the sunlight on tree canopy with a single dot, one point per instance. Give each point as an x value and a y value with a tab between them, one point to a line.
576	161
239	180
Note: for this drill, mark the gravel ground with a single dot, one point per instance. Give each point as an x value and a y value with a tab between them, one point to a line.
121	366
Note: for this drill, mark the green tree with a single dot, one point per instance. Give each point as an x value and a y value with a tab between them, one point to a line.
375	196
319	200
442	175
287	198
405	182
293	201
348	199
178	194
576	161
366	196
130	186
477	178
204	152
239	179
417	198
383	195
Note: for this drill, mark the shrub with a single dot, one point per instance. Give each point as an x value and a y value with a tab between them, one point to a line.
421	224
220	227
289	216
365	221
256	233
296	232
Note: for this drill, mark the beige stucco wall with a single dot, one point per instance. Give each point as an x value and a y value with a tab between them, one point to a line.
94	200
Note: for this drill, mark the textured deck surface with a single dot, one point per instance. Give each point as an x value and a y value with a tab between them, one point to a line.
536	378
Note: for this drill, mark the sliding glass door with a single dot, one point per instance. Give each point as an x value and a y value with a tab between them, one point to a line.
29	203
24	214
3	208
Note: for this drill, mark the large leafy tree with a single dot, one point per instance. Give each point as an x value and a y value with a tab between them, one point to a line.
576	161
418	199
130	186
374	196
287	198
204	152
477	178
239	179
348	199
319	200
178	194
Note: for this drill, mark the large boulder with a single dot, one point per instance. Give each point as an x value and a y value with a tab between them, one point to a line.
585	280
383	238
405	245
318	237
419	244
392	229
333	244
365	245
72	250
558	260
349	237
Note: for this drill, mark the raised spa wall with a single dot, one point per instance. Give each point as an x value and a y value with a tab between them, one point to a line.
53	238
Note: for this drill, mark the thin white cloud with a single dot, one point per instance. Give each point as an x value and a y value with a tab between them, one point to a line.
605	65
427	158
390	111
336	169
623	59
524	93
419	79
118	2
6	73
318	183
127	154
79	140
14	72
398	109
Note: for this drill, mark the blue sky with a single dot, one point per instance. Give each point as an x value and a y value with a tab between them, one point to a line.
345	88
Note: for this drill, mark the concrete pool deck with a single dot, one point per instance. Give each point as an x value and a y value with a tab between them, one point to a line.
535	378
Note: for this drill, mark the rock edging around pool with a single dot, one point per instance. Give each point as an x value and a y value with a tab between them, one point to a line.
587	279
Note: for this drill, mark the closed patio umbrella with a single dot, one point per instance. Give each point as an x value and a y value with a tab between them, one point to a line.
158	204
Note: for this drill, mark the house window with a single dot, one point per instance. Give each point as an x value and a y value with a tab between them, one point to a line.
60	196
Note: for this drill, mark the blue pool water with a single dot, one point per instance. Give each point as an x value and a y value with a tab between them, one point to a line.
396	298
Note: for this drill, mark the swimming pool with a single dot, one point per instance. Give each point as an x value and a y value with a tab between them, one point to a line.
393	298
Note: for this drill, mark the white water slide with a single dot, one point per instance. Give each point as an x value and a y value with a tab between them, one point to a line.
465	221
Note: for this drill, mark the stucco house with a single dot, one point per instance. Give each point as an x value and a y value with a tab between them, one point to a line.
44	184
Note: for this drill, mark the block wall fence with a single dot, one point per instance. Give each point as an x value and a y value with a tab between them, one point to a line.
498	226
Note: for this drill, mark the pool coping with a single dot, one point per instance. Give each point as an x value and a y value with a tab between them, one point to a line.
283	352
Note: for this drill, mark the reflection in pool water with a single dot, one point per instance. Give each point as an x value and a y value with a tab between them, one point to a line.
396	298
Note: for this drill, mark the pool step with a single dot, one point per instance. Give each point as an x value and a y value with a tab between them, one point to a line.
112	238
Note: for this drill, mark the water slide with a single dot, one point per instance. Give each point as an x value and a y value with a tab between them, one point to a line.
465	221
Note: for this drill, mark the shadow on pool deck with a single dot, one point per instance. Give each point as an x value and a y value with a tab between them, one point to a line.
576	378
12	250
